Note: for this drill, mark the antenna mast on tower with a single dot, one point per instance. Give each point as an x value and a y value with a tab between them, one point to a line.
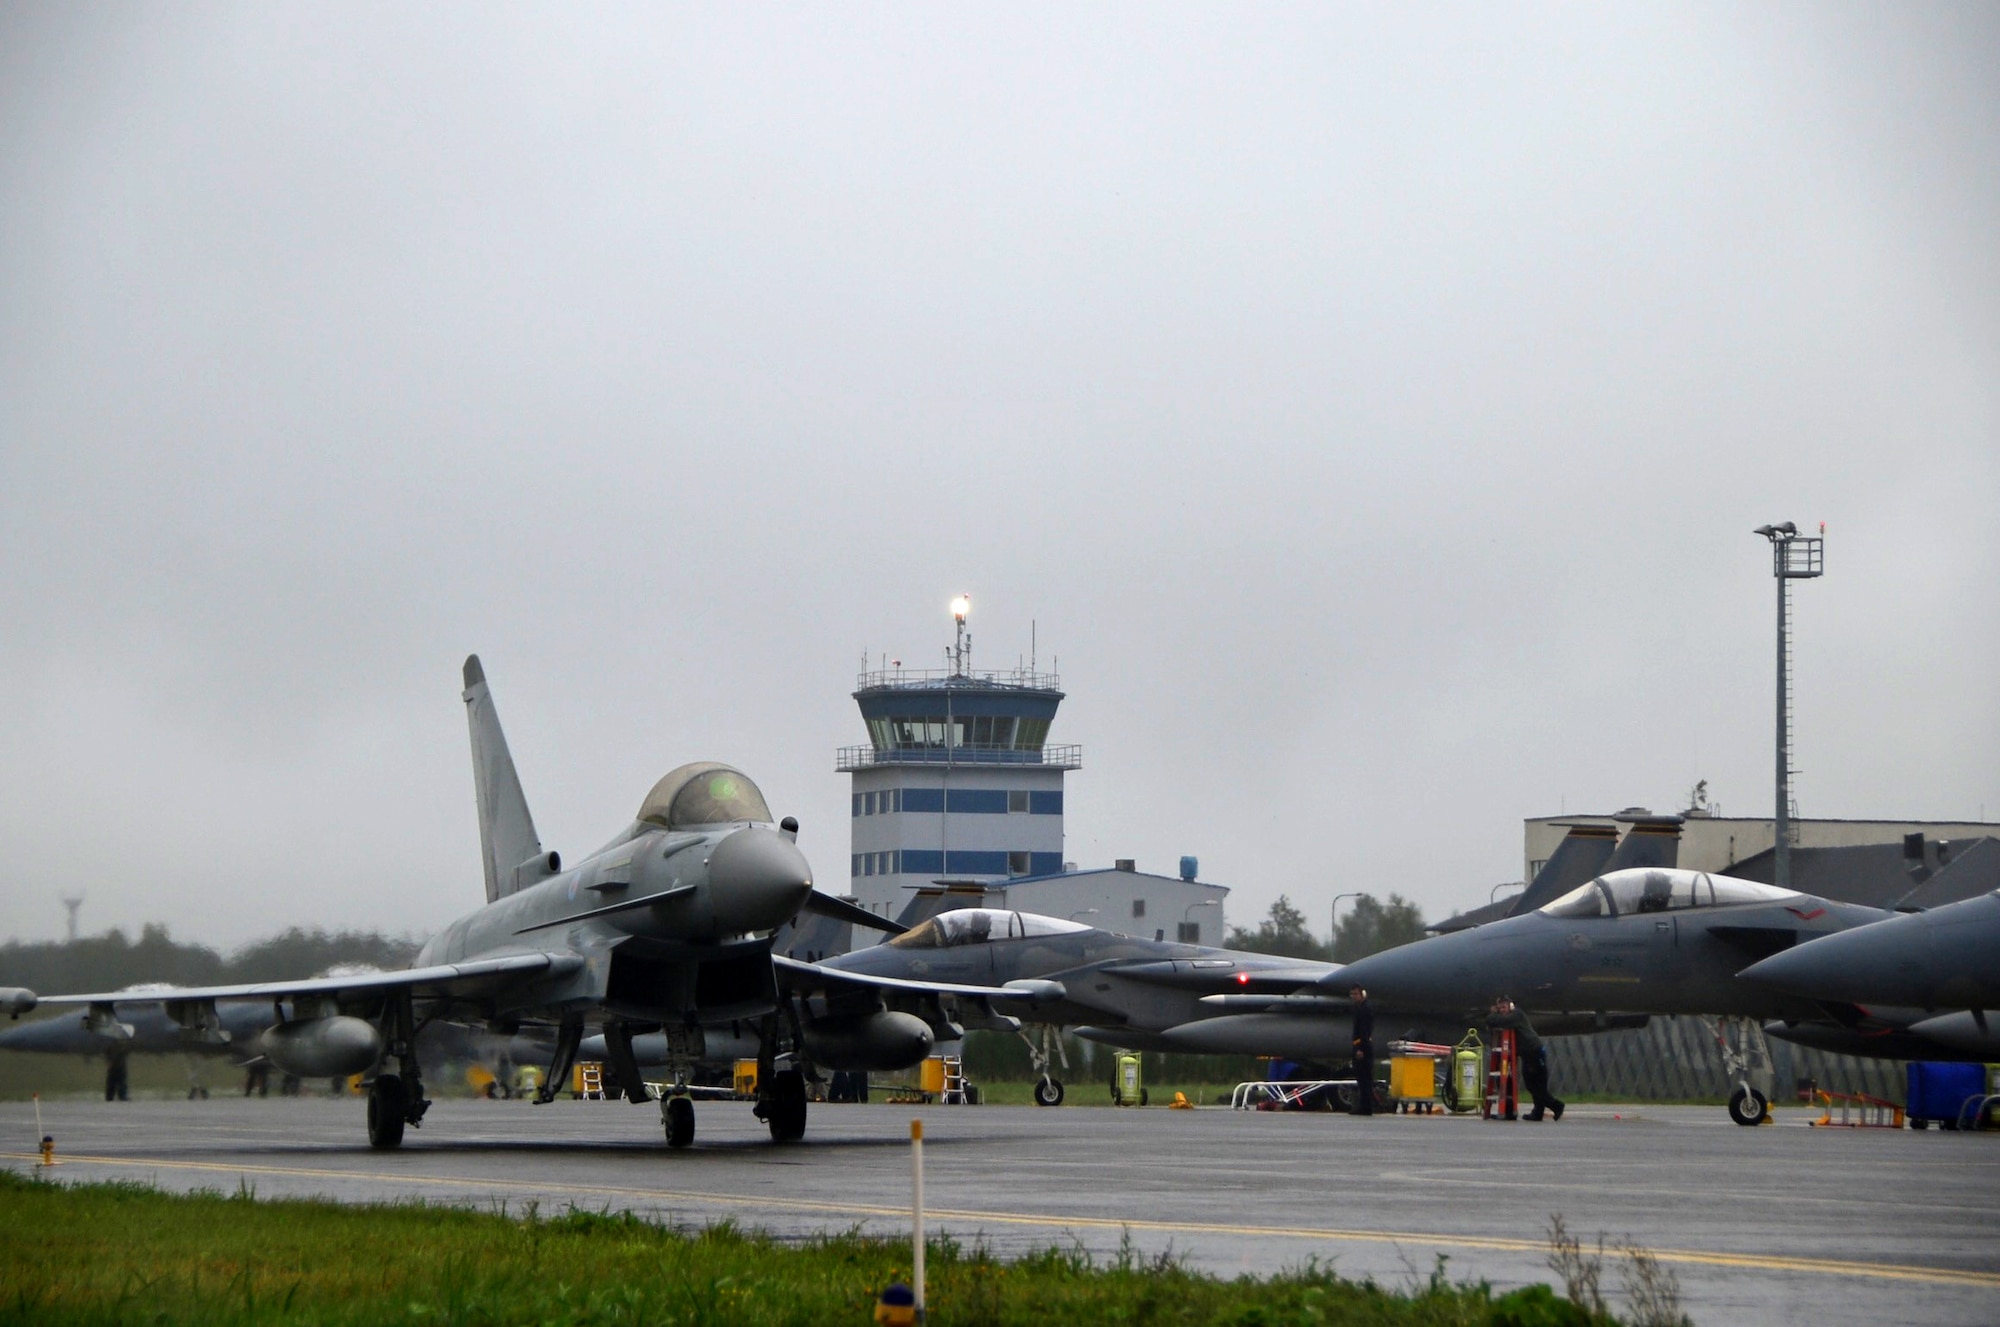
961	650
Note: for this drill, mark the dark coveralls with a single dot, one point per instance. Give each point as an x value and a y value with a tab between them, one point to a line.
1534	1060
1364	1059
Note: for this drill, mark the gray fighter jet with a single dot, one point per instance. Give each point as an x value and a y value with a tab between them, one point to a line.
667	928
1944	963
1640	941
1133	993
141	1029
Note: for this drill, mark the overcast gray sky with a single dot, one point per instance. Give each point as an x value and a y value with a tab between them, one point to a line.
1370	406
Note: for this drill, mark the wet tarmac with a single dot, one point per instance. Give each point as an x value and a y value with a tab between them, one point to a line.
1778	1224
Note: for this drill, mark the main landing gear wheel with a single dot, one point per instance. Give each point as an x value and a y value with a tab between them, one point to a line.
1748	1106
785	1112
1049	1092
679	1115
388	1109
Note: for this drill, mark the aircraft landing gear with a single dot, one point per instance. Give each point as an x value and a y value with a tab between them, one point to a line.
1048	1091
388	1111
783	1108
1747	1056
677	1114
1748	1106
396	1100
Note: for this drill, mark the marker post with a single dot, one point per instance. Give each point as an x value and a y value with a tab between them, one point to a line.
917	1214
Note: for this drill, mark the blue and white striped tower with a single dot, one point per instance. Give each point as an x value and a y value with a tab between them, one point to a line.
958	780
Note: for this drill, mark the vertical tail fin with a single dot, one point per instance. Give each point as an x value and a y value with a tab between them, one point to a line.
507	839
1581	855
1652	841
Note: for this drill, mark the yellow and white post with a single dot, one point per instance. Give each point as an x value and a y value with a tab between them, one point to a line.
917	1214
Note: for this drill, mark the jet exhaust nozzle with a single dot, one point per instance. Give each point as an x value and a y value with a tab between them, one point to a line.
883	1041
323	1047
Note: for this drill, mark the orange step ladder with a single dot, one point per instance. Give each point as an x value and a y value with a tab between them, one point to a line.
1503	1078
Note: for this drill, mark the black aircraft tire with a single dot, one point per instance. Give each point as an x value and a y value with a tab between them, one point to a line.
1748	1107
679	1121
1049	1092
787	1116
388	1109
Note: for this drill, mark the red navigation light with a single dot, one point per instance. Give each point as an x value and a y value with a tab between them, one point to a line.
1242	979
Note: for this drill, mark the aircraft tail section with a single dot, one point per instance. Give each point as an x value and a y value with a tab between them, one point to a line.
507	839
1579	857
1652	841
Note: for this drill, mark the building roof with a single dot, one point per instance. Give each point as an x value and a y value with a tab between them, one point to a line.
1097	871
1632	813
1878	875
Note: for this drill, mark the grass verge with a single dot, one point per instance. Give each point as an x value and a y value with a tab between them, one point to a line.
119	1253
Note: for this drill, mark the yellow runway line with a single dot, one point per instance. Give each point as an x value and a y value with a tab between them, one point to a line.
974	1217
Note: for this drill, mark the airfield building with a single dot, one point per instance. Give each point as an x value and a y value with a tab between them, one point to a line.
1719	844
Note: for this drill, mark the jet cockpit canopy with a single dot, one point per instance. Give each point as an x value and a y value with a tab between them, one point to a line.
1652	889
975	926
704	793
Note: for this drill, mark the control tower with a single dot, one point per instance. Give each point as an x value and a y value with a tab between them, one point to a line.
958	780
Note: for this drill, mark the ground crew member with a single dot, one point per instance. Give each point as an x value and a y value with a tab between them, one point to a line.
1531	1054
1364	1053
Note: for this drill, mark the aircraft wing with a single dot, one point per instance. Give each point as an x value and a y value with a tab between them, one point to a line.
443	978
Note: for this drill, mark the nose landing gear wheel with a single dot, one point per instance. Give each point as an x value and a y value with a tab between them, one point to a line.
678	1113
1748	1106
388	1110
1048	1092
785	1112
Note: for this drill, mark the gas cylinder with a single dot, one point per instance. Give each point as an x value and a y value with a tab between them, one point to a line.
1467	1079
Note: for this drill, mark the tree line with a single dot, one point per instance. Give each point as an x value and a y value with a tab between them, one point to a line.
1368	927
113	960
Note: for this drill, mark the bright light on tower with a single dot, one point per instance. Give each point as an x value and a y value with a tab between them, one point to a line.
961	606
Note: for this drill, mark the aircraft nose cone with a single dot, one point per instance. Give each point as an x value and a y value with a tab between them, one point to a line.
1863	965
759	880
1432	973
1794	972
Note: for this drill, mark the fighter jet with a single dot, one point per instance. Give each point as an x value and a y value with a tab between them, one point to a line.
1132	993
142	1028
1944	963
666	928
1640	941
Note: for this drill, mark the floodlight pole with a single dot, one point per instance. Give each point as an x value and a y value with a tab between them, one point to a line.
1793	557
